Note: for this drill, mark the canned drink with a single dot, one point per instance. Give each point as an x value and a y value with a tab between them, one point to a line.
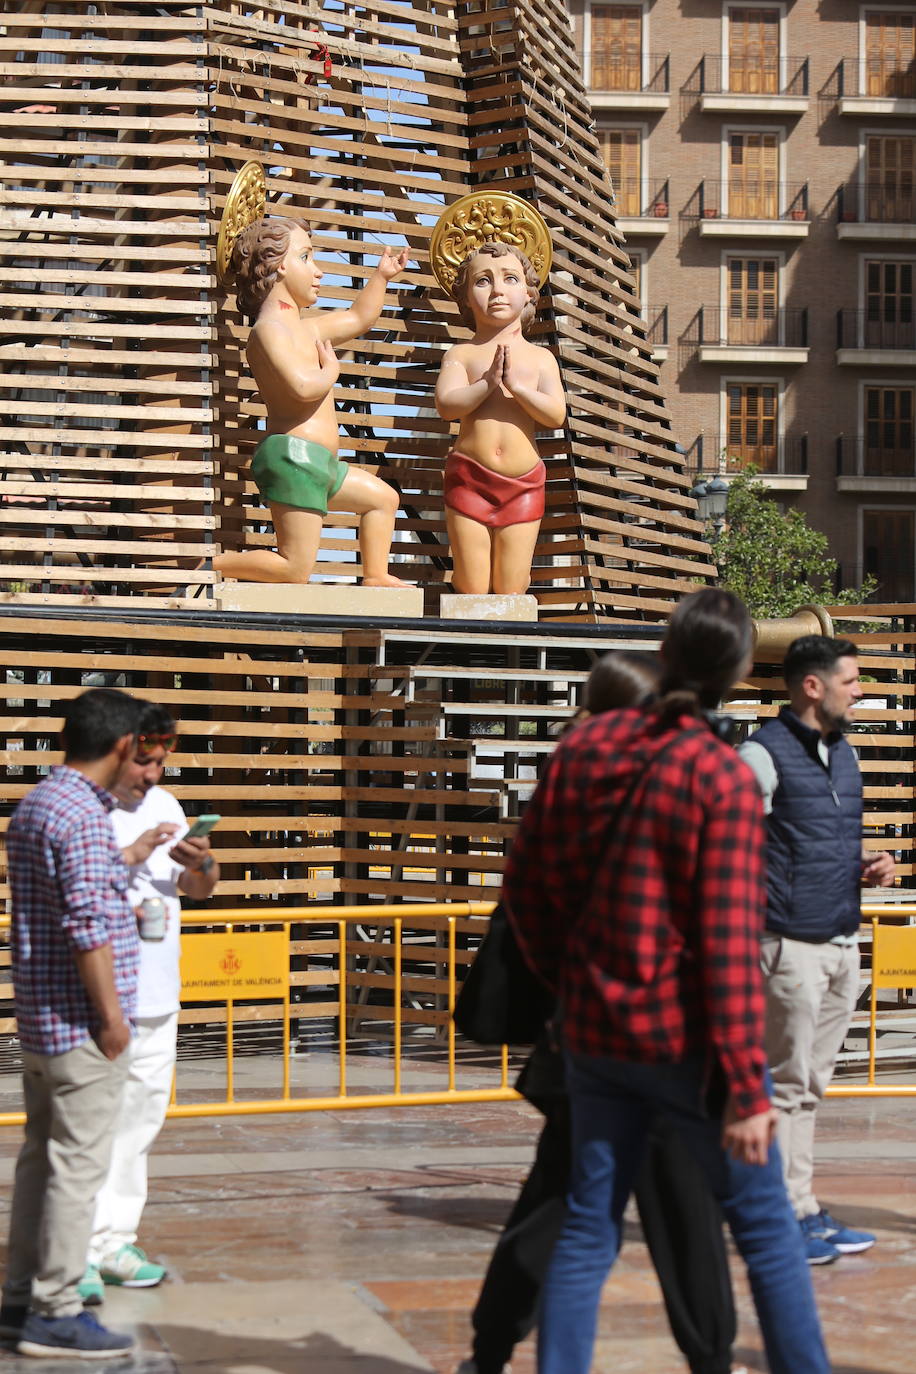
152	919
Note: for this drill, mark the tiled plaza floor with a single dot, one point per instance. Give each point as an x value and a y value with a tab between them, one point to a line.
353	1243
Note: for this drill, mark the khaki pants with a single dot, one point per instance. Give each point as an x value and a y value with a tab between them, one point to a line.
811	994
71	1102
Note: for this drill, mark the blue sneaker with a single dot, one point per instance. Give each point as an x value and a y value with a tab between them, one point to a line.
844	1238
818	1249
81	1337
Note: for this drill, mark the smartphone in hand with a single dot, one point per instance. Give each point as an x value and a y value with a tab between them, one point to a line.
200	826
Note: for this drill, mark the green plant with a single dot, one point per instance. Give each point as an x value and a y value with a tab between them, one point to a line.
772	558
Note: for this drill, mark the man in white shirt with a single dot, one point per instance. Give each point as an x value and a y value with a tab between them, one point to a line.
145	820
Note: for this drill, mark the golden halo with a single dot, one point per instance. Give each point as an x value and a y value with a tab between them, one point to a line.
246	202
488	215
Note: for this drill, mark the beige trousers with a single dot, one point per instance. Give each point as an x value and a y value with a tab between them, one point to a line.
811	994
71	1102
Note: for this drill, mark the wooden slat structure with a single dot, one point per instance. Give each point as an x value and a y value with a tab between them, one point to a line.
128	413
378	764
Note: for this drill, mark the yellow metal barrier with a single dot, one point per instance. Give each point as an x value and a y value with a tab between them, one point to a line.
232	969
247	964
893	965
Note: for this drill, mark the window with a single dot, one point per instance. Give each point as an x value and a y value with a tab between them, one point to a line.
888	304
890	50
889	431
622	149
753	176
889	166
616	47
752	435
753	50
753	297
888	552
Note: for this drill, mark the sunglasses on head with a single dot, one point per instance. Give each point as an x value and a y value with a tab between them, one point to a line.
159	740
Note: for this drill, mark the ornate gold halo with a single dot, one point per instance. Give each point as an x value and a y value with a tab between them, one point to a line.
246	202
487	216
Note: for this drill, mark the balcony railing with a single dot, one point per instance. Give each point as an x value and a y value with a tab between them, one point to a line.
657	325
772	454
891	201
651	323
636	198
613	70
716	74
784	327
882	451
761	199
875	78
866	329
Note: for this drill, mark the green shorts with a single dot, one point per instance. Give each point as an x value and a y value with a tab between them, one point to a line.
297	472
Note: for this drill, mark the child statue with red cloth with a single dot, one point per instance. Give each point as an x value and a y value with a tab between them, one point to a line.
491	252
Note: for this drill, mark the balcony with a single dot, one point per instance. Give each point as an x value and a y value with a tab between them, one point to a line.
863	339
656	319
872	86
749	209
642	208
772	336
623	81
771	85
781	459
882	211
878	461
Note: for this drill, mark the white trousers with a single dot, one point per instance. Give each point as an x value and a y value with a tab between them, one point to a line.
811	994
120	1202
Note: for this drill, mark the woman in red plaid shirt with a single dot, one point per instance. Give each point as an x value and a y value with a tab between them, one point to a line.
636	888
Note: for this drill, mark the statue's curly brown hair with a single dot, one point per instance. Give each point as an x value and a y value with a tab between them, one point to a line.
495	250
256	257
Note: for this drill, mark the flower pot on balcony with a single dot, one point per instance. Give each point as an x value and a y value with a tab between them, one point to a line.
798	214
660	209
710	212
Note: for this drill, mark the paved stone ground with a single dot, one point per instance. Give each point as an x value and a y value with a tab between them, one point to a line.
354	1242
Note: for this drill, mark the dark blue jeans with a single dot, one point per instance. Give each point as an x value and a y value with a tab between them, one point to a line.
612	1105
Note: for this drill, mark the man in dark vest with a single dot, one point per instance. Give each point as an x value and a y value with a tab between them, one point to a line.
816	865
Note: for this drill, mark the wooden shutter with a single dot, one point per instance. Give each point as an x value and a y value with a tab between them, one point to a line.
753	299
753	51
888	304
622	150
616	47
889	431
889	551
890	163
752	424
890	51
753	185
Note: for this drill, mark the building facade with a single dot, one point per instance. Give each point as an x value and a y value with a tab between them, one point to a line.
763	157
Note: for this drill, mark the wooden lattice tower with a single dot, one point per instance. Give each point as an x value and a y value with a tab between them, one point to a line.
130	416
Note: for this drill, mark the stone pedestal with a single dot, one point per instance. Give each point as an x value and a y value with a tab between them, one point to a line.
505	606
319	598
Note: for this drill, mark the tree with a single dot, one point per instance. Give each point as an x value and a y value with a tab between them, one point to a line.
771	557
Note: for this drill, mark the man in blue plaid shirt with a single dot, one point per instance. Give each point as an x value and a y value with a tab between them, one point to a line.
75	954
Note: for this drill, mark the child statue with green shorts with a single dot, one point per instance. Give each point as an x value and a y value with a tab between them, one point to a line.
296	467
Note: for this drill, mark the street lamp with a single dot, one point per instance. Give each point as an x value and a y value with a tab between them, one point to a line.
712	500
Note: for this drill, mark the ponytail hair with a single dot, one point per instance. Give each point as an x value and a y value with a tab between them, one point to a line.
709	638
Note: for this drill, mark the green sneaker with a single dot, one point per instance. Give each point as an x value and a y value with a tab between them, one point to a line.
90	1287
130	1268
